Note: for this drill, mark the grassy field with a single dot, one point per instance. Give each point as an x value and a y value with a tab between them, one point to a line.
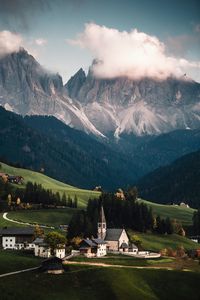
182	214
125	260
11	261
156	242
50	183
102	283
50	217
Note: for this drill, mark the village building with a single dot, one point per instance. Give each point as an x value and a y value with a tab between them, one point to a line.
116	238
42	249
52	265
17	238
93	247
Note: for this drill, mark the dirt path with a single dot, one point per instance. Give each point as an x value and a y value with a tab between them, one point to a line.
24	223
119	266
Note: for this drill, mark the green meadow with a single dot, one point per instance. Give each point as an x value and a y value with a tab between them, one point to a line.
50	183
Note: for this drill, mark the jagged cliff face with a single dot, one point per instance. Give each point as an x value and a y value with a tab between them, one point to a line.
28	89
141	107
99	106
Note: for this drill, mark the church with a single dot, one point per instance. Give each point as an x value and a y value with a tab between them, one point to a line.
115	238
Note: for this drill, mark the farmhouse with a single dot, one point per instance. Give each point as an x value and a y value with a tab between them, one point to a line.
17	238
93	247
115	238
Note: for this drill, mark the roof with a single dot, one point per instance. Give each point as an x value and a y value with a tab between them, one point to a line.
40	241
52	263
99	241
113	234
17	231
124	245
133	246
102	218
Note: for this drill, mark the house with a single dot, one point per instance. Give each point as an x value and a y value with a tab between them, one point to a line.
115	238
42	249
15	179
120	194
52	265
17	238
182	204
93	247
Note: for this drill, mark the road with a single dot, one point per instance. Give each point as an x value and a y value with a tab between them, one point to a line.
18	272
24	223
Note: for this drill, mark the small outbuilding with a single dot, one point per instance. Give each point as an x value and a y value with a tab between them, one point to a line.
52	265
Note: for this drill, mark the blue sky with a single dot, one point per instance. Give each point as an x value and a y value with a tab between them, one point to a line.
52	23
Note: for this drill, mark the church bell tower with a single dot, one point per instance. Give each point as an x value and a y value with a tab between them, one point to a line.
101	225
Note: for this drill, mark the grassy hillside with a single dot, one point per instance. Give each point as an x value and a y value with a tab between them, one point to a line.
50	217
156	242
103	283
11	261
182	214
49	183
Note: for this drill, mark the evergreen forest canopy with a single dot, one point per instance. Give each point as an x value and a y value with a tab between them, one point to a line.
119	213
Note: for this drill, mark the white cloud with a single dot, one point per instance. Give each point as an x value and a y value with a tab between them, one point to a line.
41	42
9	42
133	54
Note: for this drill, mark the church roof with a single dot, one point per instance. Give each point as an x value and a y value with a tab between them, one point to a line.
113	234
102	218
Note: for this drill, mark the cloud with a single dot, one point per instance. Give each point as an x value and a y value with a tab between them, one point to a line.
40	42
9	42
197	28
131	54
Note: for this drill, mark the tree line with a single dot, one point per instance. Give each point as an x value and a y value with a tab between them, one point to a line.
33	193
128	213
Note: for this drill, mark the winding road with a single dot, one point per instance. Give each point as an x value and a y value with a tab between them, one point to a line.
24	223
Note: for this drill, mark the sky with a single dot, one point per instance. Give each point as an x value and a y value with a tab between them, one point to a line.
130	37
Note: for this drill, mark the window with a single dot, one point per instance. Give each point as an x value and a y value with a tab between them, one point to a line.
104	225
10	240
6	240
6	245
10	245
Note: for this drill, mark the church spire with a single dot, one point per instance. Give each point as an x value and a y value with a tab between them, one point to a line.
102	218
101	224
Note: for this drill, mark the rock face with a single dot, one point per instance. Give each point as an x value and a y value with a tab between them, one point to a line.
99	106
28	89
141	107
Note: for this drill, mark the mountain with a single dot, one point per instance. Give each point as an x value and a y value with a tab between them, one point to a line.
175	183
66	154
100	107
27	88
141	107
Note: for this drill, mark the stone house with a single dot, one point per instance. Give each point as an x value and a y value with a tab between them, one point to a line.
93	247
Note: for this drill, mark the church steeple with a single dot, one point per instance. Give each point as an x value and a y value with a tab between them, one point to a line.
102	224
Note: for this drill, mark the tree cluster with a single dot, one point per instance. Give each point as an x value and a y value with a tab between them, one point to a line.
196	222
126	213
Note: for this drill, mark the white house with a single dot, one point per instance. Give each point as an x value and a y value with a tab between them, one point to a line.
17	238
42	249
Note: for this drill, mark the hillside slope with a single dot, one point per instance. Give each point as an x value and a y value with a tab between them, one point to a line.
64	153
176	182
50	183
